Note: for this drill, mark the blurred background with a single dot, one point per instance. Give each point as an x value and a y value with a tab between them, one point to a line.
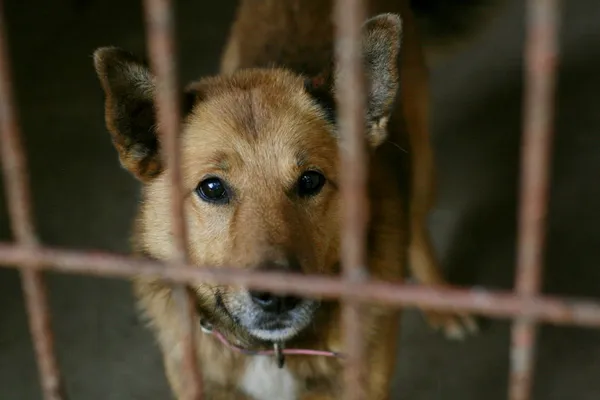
83	199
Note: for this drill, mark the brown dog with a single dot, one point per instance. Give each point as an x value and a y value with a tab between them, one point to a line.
260	169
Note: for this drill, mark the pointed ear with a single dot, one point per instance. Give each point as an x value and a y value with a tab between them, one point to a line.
382	36
381	40
130	117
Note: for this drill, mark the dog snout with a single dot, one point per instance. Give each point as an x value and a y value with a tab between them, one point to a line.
271	303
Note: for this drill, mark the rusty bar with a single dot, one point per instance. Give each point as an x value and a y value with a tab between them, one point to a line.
16	179
161	47
16	176
540	71
349	16
498	304
34	289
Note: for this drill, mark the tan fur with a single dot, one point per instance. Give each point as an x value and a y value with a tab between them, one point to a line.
260	129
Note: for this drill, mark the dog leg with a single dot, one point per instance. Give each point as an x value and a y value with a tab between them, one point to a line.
383	355
381	328
425	269
423	262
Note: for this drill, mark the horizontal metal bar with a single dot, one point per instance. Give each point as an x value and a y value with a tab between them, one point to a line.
499	304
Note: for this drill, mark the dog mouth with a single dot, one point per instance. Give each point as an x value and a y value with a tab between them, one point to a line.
281	334
269	326
279	329
275	335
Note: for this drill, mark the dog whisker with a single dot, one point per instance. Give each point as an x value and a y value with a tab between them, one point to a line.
398	146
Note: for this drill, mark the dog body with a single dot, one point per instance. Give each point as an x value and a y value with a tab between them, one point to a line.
260	171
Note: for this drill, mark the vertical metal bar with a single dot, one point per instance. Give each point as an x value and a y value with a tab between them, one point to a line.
16	180
541	51
349	16
161	47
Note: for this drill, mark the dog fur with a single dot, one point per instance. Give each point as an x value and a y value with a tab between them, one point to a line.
259	125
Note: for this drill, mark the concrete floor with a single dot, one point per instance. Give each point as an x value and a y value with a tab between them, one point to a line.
84	200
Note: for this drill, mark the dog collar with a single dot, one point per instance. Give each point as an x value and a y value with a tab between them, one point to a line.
279	352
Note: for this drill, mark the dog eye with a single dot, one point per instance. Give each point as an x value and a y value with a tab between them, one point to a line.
212	190
310	183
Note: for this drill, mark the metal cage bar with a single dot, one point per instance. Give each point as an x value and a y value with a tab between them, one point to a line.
527	305
16	182
161	48
498	304
348	17
541	49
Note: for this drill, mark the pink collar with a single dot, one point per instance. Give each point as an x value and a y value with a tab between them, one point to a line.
277	351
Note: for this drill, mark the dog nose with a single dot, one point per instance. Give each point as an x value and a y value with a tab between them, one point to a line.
272	303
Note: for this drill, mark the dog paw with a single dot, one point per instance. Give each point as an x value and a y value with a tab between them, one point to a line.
453	326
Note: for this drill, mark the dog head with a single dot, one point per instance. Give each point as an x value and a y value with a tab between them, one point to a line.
259	168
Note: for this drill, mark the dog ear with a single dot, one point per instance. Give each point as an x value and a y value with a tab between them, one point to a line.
381	39
129	90
382	36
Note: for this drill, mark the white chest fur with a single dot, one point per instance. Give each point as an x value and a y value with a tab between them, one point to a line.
263	380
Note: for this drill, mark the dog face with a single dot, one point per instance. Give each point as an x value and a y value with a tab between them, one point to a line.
259	164
259	168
